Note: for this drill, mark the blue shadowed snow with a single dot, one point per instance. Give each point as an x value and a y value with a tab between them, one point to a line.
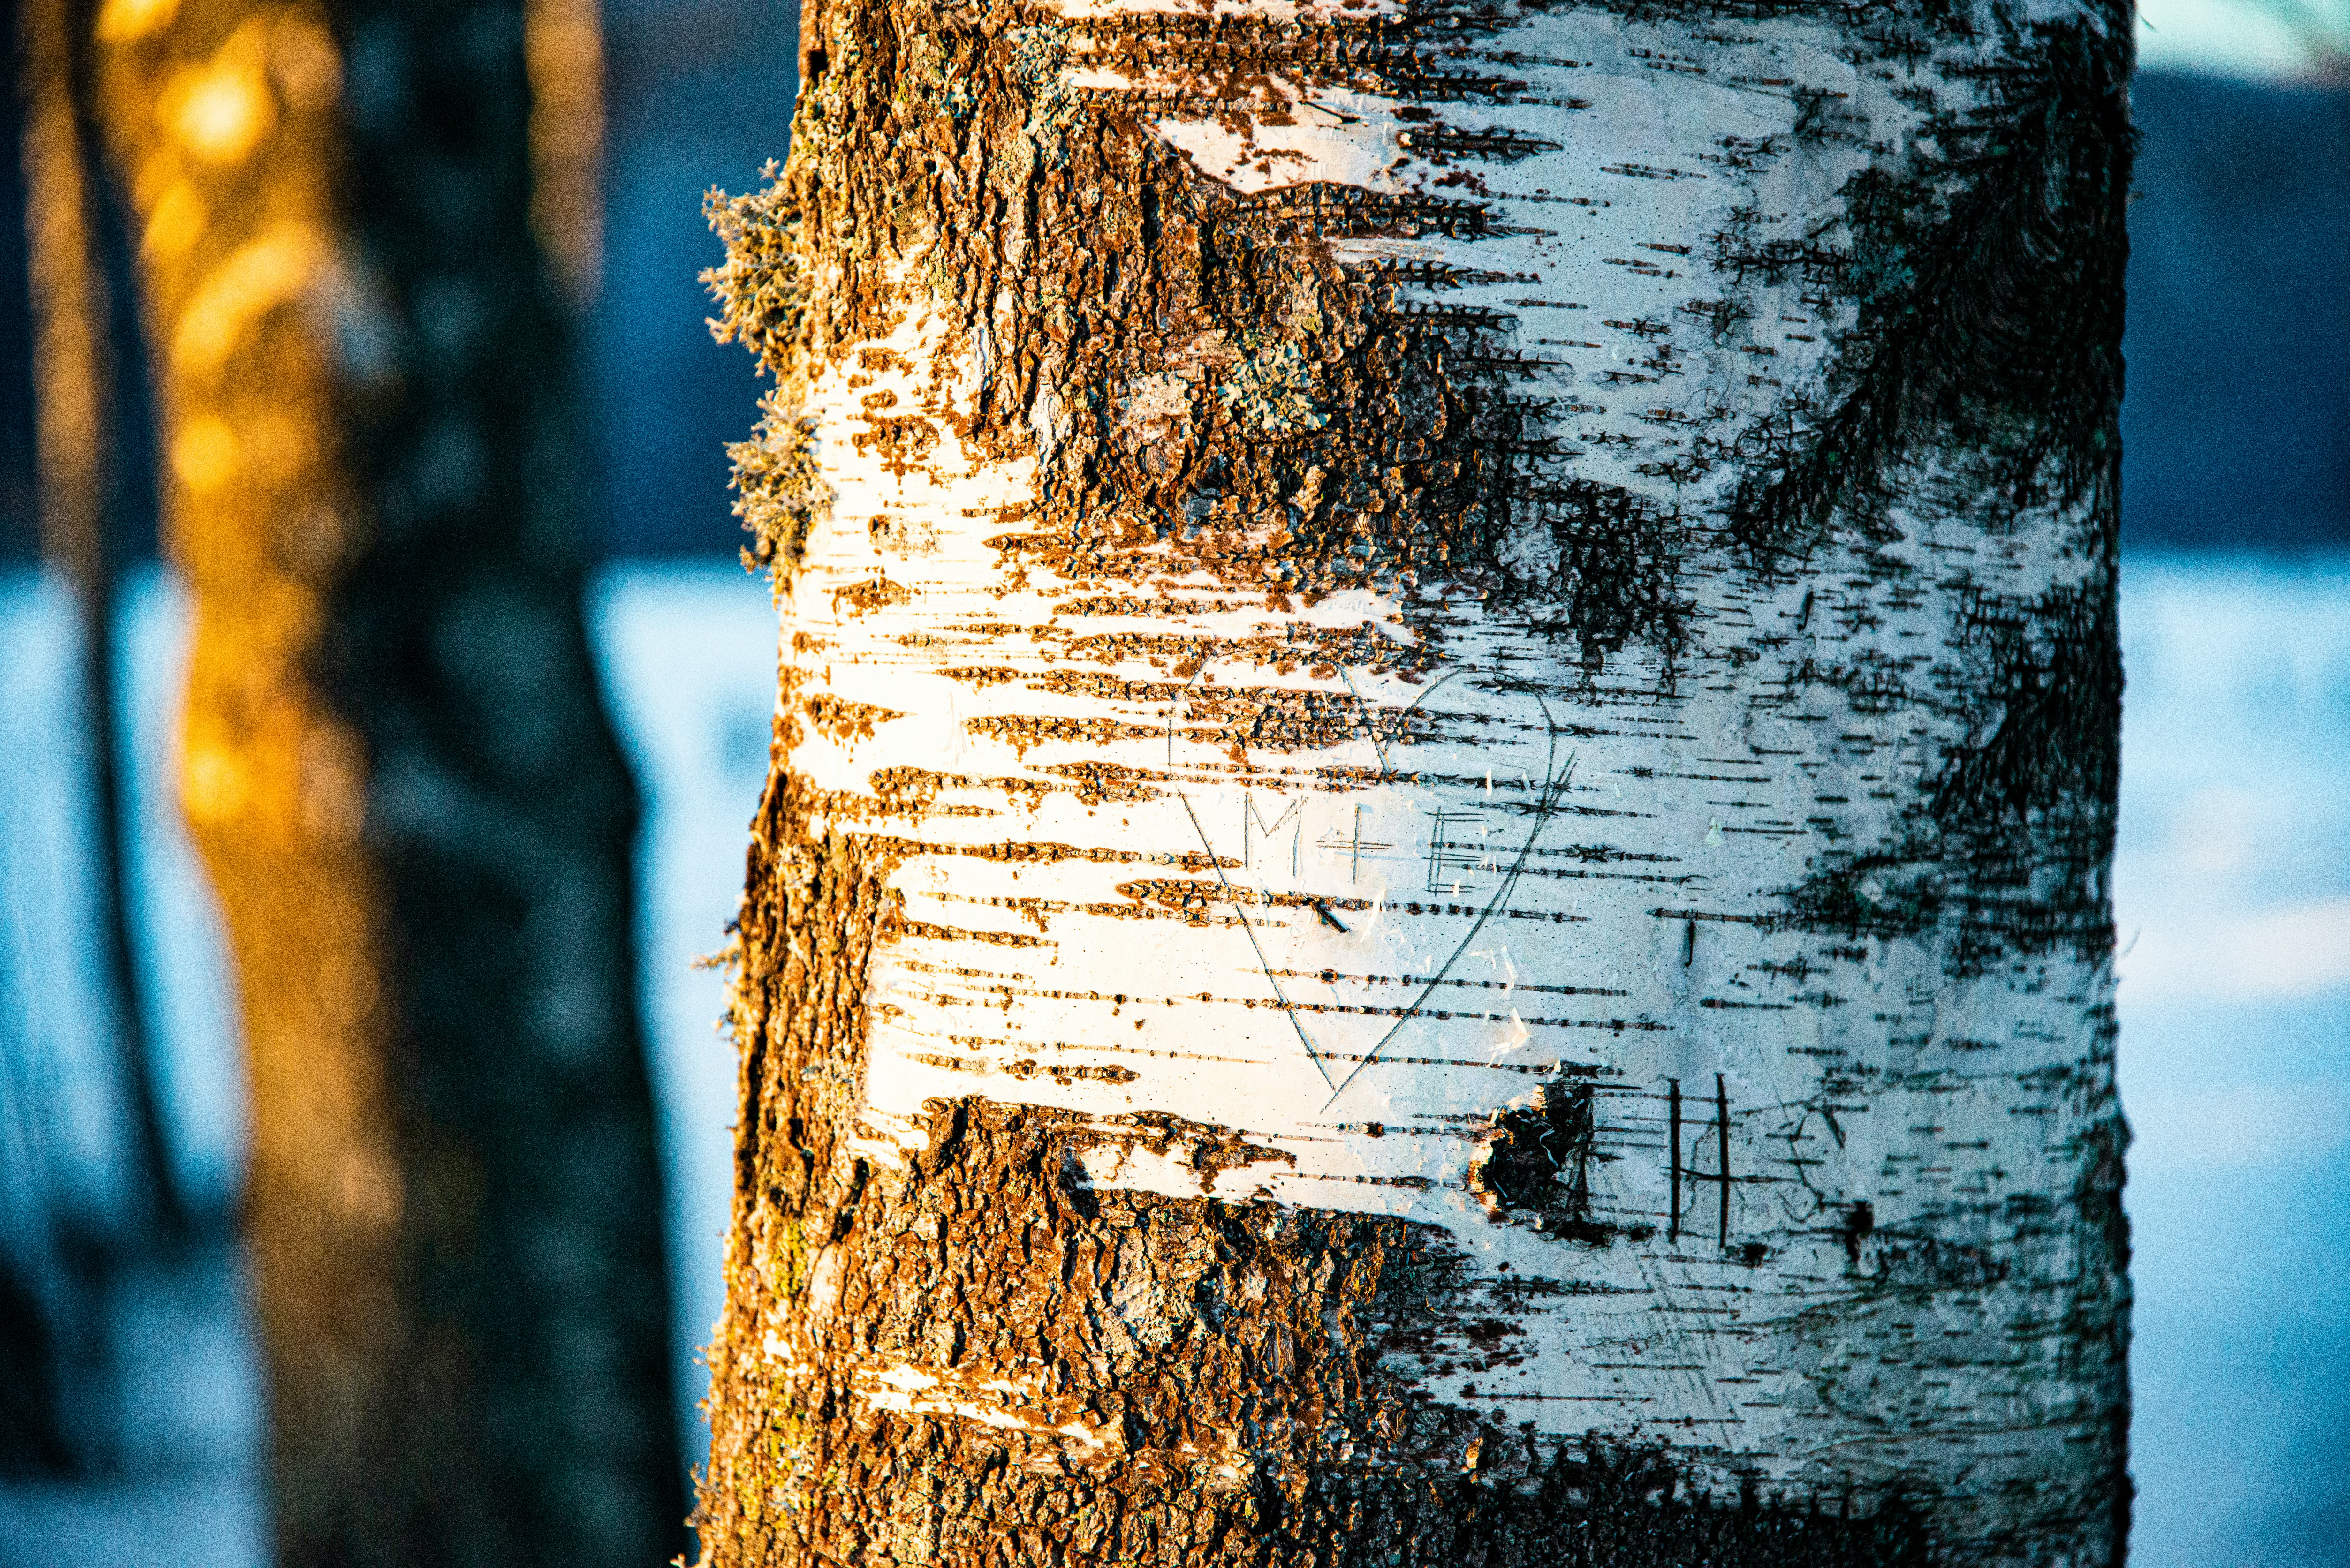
2232	887
689	658
2232	882
182	955
60	1131
166	1396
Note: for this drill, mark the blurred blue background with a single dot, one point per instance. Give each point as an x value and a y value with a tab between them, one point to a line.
2232	879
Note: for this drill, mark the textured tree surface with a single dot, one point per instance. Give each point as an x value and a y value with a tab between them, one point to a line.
1435	885
397	770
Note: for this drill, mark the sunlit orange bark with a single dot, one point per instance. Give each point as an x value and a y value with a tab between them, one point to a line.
397	769
1433	890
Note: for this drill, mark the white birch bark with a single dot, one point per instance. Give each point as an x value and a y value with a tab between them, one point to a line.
1607	916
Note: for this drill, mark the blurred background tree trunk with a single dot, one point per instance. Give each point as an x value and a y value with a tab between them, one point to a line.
396	765
78	313
1435	885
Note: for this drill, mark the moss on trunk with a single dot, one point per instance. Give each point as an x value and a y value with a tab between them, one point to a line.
1434	885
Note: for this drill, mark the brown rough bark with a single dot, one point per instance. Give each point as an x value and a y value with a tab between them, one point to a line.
1153	383
398	772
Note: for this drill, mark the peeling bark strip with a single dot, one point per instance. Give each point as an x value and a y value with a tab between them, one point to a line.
1435	886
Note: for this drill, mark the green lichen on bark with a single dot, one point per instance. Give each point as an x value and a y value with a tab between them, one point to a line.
986	1351
1206	385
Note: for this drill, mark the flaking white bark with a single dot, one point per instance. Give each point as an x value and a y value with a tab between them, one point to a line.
1801	1232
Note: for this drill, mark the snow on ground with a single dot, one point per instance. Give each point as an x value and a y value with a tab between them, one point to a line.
2232	883
689	656
2233	886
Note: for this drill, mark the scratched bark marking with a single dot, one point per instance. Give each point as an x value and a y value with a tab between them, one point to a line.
1554	566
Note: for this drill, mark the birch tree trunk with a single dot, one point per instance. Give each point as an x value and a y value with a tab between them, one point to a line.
398	772
1435	884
